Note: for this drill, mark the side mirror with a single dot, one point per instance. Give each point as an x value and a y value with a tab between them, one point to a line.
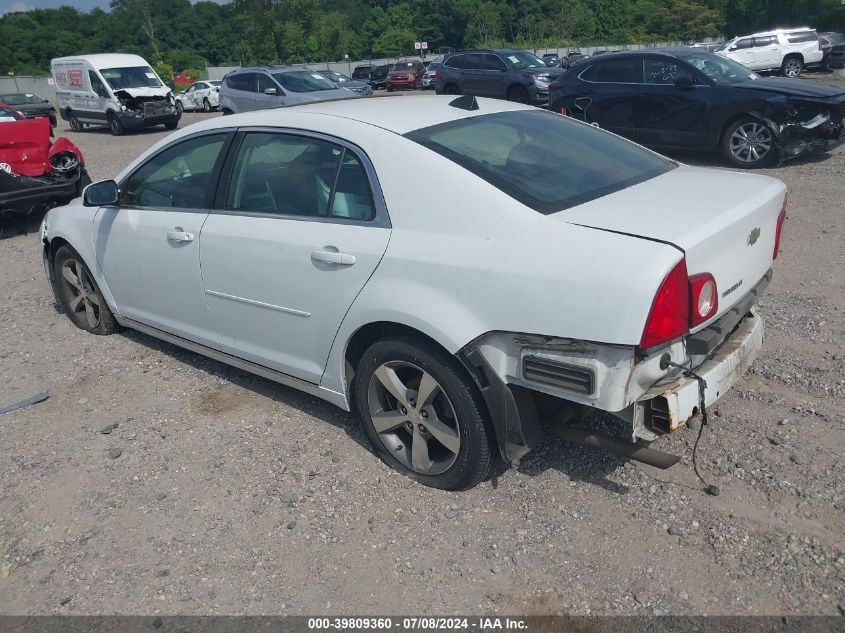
732	48
271	91
685	83
46	100
101	194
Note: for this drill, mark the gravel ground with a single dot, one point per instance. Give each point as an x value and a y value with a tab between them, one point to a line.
156	481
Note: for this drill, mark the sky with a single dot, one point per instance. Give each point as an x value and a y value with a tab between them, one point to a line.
7	6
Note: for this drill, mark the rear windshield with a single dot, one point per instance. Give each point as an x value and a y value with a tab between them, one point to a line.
303	81
545	161
132	77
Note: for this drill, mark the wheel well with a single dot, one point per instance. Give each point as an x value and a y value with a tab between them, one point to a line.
371	333
794	56
513	86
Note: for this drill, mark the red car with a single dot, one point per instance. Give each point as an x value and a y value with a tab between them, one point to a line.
405	75
36	173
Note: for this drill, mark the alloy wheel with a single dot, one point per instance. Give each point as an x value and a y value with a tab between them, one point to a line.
81	288
751	142
414	418
792	68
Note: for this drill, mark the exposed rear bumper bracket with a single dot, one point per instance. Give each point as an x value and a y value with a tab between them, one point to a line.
634	452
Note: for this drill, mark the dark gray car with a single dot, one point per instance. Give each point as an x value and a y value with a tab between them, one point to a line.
32	106
342	81
263	87
499	73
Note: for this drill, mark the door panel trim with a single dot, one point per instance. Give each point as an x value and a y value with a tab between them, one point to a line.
259	304
334	397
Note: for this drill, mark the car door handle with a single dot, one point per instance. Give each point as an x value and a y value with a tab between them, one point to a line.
333	257
178	235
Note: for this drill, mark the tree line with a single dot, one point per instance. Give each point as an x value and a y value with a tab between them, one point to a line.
185	35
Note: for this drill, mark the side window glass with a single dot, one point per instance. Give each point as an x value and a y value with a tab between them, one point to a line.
621	71
353	198
96	84
283	174
264	83
746	43
457	61
474	62
660	71
178	177
494	62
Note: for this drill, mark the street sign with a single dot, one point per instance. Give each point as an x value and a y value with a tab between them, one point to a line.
421	46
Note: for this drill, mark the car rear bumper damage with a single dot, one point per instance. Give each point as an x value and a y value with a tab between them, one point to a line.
526	380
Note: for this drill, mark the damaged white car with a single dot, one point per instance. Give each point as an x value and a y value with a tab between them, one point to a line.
555	269
119	91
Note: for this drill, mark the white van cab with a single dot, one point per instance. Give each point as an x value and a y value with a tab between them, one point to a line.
120	91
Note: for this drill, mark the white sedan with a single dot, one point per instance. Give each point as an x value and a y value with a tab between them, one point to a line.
200	95
553	270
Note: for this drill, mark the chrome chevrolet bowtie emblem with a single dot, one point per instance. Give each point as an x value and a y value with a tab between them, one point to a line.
754	236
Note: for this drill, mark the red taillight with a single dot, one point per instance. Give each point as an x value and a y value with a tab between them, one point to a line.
779	228
704	298
437	74
669	317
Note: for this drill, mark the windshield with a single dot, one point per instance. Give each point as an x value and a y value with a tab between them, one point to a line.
20	99
303	81
524	59
543	160
338	78
720	69
131	77
406	66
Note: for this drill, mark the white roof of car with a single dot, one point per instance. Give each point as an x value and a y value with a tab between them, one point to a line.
799	29
395	114
105	60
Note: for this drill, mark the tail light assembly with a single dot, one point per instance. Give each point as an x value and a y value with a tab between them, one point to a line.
681	303
779	228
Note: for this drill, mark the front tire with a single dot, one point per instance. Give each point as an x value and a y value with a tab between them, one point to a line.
452	89
206	105
792	67
172	124
423	414
116	126
518	94
79	294
749	143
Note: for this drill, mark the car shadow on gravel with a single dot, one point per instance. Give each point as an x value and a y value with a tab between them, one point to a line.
715	159
576	462
287	396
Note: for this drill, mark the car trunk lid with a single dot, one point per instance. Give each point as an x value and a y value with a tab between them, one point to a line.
724	222
25	146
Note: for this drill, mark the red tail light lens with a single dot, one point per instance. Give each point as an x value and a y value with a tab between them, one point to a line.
704	298
779	228
437	74
669	317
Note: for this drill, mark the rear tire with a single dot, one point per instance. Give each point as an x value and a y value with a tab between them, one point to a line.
172	124
79	295
445	441
792	67
75	125
206	105
748	143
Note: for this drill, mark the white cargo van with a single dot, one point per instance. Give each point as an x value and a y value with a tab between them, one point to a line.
120	91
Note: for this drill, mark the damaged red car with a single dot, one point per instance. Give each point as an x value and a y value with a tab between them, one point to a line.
36	172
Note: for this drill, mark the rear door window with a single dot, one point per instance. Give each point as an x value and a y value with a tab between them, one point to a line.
543	160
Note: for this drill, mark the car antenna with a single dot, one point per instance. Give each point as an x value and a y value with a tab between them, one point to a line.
467	102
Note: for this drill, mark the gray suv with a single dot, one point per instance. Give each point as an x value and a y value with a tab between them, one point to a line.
500	73
263	87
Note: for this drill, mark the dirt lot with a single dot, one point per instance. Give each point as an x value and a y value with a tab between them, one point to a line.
231	494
